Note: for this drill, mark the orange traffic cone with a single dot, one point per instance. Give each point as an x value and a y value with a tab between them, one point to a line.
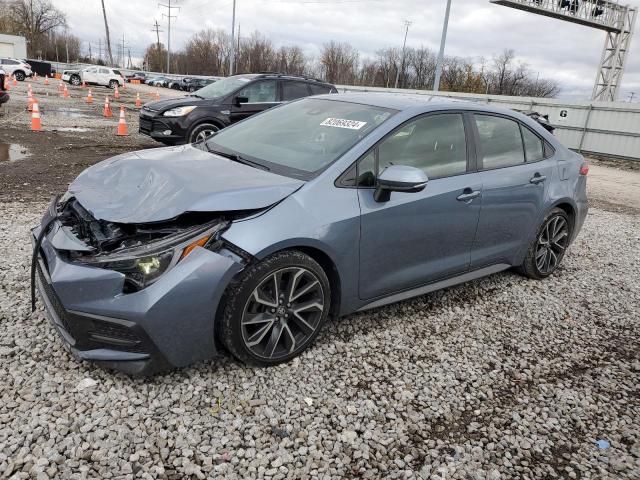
65	92
122	124
157	95
89	97
30	100
106	112
138	101
84	85
7	87
36	126
15	81
60	87
116	93
46	79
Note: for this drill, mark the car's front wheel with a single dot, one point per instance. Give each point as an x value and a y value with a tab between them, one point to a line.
20	76
202	132
75	80
276	309
548	249
113	84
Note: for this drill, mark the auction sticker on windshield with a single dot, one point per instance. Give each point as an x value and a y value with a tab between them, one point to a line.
343	123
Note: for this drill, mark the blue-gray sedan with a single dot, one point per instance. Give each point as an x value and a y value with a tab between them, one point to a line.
324	206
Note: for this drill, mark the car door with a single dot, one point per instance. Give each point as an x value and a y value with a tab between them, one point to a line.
89	75
104	75
419	237
515	181
261	95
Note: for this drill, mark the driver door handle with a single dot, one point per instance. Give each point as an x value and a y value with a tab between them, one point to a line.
468	194
537	178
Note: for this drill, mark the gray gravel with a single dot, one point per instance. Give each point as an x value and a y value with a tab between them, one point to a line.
500	378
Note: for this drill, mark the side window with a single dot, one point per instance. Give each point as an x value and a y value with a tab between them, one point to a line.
533	145
435	144
11	62
293	90
260	92
319	89
103	70
500	141
366	170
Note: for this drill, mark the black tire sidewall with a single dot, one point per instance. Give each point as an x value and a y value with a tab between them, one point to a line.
529	266
112	84
197	129
20	76
230	330
77	79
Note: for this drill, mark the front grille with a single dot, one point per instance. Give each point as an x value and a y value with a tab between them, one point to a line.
146	125
52	297
90	333
116	337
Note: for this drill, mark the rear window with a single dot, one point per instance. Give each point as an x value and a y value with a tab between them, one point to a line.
319	89
293	90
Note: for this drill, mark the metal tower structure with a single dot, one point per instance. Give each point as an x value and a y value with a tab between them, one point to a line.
616	20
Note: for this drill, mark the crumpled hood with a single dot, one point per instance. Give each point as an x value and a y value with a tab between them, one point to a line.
160	184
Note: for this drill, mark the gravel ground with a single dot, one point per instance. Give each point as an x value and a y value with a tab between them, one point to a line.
500	378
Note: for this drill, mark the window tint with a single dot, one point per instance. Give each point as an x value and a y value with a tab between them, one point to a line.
500	141
435	144
11	62
293	90
260	92
319	89
366	170
116	72
103	70
533	145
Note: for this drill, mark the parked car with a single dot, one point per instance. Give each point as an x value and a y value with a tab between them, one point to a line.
19	68
140	76
192	118
174	83
323	206
158	81
194	84
105	76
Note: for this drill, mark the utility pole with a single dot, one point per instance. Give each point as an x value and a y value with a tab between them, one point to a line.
443	40
90	59
169	17
108	38
99	50
407	23
631	95
66	43
232	53
122	54
156	27
237	55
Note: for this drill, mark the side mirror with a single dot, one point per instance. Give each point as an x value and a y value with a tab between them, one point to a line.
240	100
399	178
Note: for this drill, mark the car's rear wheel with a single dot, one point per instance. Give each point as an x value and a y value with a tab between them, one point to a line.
201	132
75	80
548	249
276	309
113	84
20	76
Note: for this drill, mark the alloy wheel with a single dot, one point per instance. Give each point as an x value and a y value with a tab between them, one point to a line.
282	313
551	245
204	134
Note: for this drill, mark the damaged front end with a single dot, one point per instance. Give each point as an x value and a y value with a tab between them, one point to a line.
142	252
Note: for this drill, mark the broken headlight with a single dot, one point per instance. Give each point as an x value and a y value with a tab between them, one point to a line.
142	265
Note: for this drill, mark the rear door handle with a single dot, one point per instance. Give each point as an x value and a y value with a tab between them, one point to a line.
468	195
537	178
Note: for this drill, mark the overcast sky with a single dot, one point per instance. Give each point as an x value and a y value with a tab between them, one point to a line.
561	50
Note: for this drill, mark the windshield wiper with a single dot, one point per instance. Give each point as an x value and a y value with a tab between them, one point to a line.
194	95
236	158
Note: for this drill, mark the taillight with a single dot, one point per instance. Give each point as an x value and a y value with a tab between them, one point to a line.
584	168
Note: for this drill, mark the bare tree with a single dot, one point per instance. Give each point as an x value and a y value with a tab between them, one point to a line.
339	62
34	19
106	31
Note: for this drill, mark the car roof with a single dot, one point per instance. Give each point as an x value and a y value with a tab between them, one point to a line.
415	102
299	78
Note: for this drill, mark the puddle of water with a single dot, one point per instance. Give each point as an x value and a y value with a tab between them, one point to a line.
12	152
72	129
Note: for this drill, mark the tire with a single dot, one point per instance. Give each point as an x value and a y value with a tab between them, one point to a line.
113	83
175	86
264	329
201	132
548	248
75	80
20	76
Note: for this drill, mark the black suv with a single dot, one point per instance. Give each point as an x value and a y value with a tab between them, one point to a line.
196	116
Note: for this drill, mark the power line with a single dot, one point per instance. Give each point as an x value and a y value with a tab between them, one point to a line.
407	24
169	17
157	30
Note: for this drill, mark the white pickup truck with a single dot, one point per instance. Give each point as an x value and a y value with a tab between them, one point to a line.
108	77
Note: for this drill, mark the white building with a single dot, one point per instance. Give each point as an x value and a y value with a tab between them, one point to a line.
13	46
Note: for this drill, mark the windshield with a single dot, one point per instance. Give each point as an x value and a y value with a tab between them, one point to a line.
223	87
300	138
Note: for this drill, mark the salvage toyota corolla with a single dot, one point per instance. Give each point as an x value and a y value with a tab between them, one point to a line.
321	207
